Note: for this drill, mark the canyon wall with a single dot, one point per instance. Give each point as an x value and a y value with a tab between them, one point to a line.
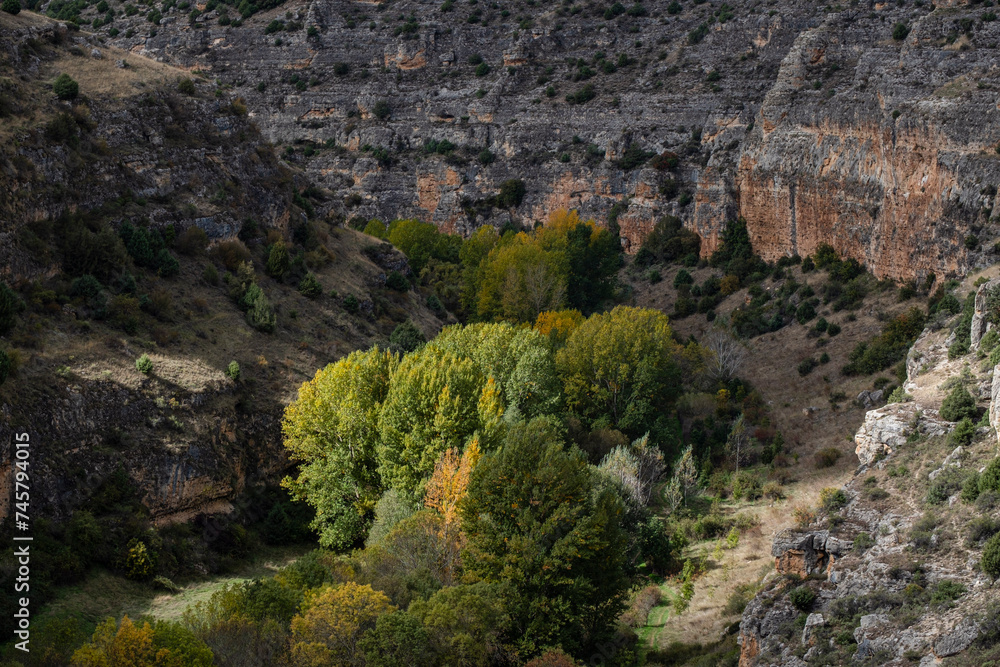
813	123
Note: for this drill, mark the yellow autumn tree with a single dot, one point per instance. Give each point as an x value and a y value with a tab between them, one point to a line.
445	490
327	632
558	324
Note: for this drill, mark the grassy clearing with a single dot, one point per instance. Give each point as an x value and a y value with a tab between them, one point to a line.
104	594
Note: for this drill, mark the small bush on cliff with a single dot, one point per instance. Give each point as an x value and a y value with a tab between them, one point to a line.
990	561
233	371
802	598
310	286
989	479
964	432
65	87
186	86
900	31
833	499
351	304
11	6
958	405
144	364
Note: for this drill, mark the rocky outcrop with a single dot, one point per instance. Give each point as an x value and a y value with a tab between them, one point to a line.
806	553
980	317
887	429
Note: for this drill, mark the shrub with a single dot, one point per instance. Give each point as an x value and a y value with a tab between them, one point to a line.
231	253
260	312
888	347
964	431
803	516
144	364
65	87
958	405
511	193
351	304
989	480
806	366
192	241
990	561
900	31
11	6
863	542
396	281
482	69
826	457
233	370
381	110
802	598
310	286
277	260
186	86
746	485
833	499
773	491
833	329
947	590
583	95
407	336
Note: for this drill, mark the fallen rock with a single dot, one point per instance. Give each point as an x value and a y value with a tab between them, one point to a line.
96	54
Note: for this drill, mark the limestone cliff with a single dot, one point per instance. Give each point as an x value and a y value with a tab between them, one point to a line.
813	123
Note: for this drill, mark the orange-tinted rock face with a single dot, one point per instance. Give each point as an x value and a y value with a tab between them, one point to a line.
749	650
870	192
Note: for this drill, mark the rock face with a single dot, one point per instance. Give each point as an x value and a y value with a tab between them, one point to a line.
980	317
816	126
806	553
886	429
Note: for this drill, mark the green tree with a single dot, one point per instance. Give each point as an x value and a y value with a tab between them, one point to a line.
431	406
473	256
11	6
536	527
519	360
332	431
990	561
622	366
520	281
277	260
397	639
463	623
421	241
